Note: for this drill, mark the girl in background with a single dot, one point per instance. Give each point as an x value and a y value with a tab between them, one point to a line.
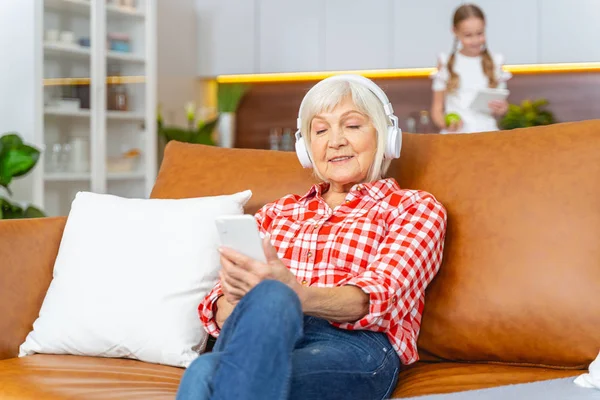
460	76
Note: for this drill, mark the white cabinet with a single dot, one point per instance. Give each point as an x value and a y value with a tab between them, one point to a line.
290	35
249	36
97	101
569	30
512	29
358	34
226	37
421	30
420	33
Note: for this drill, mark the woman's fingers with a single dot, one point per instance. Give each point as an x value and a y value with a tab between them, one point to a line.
232	294
238	277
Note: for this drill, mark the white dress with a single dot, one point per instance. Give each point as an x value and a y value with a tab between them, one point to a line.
471	79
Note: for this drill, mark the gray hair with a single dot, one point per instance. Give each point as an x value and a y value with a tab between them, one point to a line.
327	96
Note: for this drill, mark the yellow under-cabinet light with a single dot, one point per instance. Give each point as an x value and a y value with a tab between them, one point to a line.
517	69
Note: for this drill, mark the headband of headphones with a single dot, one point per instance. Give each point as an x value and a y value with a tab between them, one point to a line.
361	80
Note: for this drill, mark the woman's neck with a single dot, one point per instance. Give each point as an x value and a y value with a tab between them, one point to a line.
334	199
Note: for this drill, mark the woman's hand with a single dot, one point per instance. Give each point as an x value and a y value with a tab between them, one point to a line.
498	107
241	273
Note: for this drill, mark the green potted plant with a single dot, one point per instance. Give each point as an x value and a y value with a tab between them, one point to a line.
229	96
528	113
199	132
16	160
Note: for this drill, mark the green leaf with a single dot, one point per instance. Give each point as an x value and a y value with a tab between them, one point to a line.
18	162
11	140
16	158
10	210
202	135
540	103
28	156
229	96
33	212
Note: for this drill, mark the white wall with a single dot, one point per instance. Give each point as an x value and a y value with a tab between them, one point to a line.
569	31
177	55
227	36
20	33
292	35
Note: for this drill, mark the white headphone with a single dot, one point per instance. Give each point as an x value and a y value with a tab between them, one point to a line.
394	133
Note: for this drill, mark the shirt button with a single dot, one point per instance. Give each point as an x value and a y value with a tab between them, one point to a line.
347	200
304	282
359	187
316	226
309	254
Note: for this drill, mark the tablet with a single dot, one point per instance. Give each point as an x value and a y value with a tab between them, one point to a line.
484	96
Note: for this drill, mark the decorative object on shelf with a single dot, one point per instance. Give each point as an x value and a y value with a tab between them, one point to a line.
229	96
200	132
125	4
79	160
528	113
126	162
117	95
118	42
287	140
16	160
59	158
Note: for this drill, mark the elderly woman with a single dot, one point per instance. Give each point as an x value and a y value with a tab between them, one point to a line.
336	309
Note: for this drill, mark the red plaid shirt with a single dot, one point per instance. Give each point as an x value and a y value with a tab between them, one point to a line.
383	239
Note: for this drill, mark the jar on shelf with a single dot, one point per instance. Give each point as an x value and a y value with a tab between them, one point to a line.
117	98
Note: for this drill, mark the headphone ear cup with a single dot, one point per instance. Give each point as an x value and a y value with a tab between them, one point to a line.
302	153
394	143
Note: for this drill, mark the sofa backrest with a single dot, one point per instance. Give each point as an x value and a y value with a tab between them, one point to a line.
520	281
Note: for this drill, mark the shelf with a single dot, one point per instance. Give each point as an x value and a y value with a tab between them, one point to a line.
74	50
74	6
57	112
122	56
125	115
83	52
110	115
112	10
120	176
66	176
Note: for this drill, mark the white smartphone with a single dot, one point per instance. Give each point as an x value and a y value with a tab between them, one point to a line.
240	233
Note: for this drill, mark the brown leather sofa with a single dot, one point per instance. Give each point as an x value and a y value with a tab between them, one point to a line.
516	300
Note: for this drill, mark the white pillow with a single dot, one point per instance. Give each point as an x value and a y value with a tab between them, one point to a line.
129	276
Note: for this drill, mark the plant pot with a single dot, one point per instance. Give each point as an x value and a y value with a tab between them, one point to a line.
226	129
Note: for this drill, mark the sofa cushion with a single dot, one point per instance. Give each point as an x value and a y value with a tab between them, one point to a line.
45	377
431	378
190	170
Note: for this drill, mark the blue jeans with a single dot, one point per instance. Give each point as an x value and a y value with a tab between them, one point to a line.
268	349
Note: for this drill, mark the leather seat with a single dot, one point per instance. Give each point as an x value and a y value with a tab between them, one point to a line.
431	378
49	377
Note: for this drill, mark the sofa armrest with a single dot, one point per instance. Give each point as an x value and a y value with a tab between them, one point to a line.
28	248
